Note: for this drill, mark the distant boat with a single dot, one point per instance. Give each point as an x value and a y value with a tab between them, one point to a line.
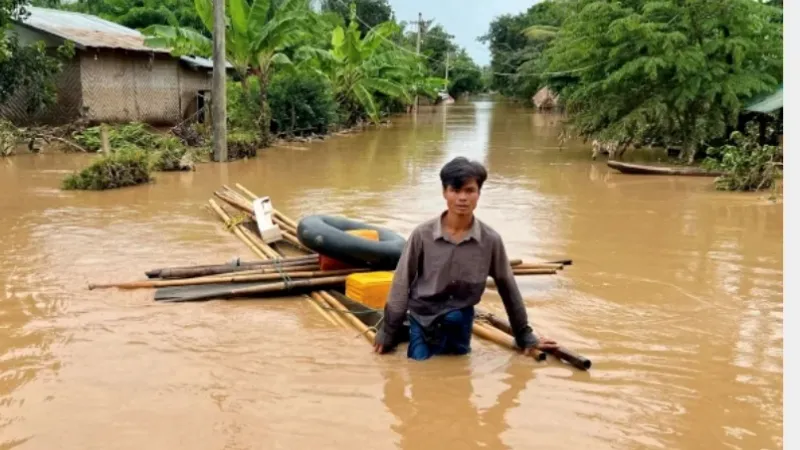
641	169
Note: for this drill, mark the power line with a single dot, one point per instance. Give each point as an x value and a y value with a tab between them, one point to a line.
565	72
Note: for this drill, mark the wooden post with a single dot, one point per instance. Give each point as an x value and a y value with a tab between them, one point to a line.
219	102
104	139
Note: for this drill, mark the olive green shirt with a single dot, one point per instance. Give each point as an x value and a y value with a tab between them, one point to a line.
436	275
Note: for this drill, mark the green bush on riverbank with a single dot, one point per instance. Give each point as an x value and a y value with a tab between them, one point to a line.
748	164
126	167
135	152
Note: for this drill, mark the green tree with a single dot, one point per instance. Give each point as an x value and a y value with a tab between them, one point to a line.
517	43
673	70
28	67
362	69
136	14
464	75
371	12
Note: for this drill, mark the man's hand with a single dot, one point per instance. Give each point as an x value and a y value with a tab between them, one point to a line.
378	348
546	344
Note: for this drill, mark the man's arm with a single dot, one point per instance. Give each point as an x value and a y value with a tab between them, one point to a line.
397	302
500	270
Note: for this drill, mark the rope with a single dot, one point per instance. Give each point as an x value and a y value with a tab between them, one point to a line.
235	221
287	280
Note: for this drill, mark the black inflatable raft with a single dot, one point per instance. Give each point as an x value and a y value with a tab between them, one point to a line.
328	235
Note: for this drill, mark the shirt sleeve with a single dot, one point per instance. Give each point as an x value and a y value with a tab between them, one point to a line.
507	287
397	301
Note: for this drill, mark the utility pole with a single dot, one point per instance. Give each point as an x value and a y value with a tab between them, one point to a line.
419	36
446	68
218	100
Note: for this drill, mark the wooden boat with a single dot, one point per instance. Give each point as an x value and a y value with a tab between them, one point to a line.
641	169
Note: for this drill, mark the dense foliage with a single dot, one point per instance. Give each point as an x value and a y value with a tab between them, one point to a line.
302	104
748	163
675	71
27	67
629	72
370	12
517	43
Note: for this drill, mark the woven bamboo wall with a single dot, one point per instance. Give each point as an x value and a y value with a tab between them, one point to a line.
118	87
125	87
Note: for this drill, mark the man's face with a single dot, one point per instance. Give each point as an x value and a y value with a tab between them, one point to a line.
462	201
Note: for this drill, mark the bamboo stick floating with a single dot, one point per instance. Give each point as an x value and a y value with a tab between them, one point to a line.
357	324
244	207
225	218
227	268
571	357
322	312
241	264
545	266
517	271
337	316
246	191
269	251
266	288
225	279
492	334
295	268
238	195
189	281
285	218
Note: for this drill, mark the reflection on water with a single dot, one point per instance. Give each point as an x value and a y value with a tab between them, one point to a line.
675	294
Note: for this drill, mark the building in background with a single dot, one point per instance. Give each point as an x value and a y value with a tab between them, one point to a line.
113	76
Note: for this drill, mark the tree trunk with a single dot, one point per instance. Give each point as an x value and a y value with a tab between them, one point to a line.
264	117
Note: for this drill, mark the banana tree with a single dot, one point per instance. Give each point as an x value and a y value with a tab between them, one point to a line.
359	69
256	38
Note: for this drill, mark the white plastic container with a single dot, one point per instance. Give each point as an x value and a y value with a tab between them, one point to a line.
269	232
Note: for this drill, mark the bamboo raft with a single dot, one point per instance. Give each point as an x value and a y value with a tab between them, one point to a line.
287	267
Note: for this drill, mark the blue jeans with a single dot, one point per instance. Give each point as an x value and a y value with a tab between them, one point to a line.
449	335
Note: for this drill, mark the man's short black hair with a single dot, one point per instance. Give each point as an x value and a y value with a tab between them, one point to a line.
460	170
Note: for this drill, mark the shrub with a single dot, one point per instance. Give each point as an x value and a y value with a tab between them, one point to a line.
301	104
128	166
747	164
243	105
242	144
9	135
119	136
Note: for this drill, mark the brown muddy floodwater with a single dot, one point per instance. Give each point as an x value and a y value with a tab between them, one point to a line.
675	295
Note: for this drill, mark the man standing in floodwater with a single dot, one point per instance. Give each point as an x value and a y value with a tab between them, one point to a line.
442	274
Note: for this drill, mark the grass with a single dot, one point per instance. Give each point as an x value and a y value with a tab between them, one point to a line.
127	167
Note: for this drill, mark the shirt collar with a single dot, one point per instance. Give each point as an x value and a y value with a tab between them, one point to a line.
473	233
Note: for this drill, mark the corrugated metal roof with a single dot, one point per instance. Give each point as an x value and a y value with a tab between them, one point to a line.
203	63
86	30
769	103
91	31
